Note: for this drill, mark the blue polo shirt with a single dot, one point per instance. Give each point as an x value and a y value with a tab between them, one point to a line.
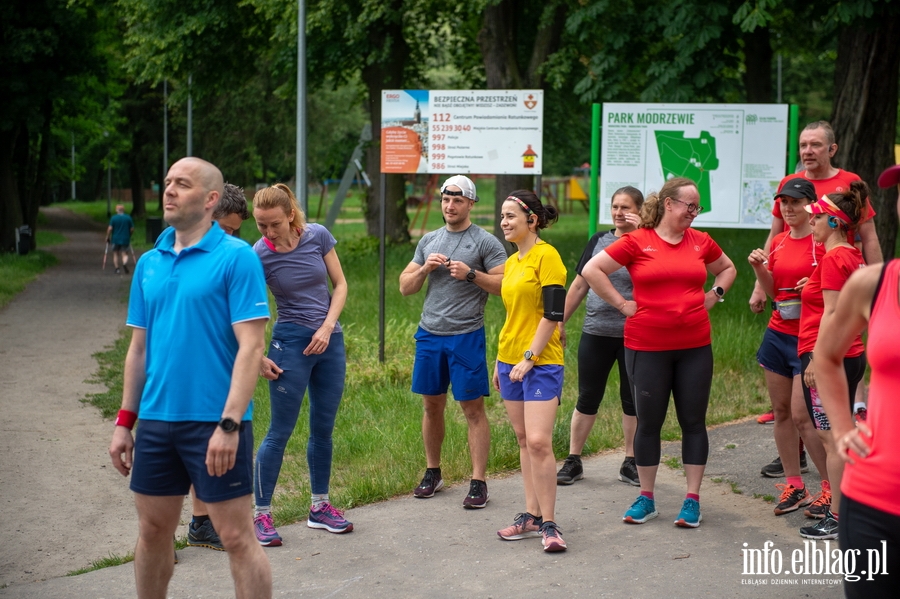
188	303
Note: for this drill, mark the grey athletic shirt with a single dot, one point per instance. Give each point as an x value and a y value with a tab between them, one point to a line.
600	318
454	307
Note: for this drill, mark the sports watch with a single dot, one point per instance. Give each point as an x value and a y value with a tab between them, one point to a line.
228	425
531	356
720	293
470	276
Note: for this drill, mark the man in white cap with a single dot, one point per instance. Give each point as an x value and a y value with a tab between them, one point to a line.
463	264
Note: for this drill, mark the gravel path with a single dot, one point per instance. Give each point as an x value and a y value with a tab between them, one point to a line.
62	504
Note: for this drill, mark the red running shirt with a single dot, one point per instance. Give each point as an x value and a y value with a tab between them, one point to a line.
875	479
668	288
789	261
831	274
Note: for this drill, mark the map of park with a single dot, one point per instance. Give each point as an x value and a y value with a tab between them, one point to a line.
692	157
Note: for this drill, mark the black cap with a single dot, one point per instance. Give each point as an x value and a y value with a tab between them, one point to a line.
798	187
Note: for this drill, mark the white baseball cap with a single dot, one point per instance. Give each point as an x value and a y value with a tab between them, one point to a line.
465	185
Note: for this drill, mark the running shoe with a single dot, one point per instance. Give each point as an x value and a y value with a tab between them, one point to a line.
429	486
265	531
478	495
820	506
641	510
204	536
767	418
551	539
774	469
571	471
826	528
524	526
125	268
791	499
330	518
628	472
689	516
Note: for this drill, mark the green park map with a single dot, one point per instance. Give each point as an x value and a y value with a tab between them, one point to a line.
691	157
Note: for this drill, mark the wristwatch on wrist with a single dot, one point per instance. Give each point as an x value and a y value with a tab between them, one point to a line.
531	356
720	293
228	425
470	276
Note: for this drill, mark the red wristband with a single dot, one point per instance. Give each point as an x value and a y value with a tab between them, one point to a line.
126	418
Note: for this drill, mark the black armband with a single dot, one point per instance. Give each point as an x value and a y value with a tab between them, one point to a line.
554	302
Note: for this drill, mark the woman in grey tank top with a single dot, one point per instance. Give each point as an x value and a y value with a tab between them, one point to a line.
602	345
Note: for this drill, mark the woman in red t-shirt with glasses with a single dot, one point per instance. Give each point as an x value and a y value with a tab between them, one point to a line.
667	334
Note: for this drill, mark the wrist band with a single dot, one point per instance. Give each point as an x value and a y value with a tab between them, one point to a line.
126	418
623	305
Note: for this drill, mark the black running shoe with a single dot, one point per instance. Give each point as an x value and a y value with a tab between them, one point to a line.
571	471
478	495
204	536
431	484
628	472
774	469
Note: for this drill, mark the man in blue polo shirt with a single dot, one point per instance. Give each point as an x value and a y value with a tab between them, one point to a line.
119	232
198	310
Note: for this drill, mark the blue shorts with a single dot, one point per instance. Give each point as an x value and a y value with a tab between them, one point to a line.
170	456
778	354
445	360
541	383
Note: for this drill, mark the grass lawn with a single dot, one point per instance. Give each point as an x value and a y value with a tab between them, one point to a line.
377	438
17	271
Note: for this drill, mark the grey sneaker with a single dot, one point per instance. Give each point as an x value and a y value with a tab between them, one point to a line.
204	536
628	472
570	471
774	469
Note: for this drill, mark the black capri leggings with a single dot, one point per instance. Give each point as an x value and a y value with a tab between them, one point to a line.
687	375
596	356
871	532
854	369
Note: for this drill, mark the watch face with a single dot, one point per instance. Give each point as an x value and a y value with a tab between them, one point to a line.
228	425
470	276
528	354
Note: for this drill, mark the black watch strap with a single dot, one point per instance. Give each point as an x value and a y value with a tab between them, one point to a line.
229	425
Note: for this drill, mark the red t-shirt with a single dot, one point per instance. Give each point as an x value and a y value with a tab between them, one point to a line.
831	274
789	261
840	182
875	479
668	288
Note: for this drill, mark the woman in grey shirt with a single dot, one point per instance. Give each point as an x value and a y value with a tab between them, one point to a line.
602	344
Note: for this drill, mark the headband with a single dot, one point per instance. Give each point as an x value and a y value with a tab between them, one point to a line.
522	204
826	206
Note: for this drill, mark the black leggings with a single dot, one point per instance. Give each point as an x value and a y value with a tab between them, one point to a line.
863	528
854	369
687	375
596	356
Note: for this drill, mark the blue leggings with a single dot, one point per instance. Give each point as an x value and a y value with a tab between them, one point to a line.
324	375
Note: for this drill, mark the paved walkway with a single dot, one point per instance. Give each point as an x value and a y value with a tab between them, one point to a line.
61	499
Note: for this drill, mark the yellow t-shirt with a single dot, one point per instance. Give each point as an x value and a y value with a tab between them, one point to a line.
523	298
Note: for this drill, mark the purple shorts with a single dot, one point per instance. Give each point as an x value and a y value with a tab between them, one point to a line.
541	383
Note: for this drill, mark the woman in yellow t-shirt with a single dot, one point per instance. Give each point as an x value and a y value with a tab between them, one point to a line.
529	369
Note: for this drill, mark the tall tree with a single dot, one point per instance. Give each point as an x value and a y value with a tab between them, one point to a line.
865	103
517	38
48	55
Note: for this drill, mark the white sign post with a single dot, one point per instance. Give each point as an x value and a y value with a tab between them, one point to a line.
735	152
496	132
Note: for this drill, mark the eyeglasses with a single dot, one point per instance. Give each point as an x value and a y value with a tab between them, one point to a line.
694	208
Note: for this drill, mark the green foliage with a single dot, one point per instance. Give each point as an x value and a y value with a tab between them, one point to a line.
17	271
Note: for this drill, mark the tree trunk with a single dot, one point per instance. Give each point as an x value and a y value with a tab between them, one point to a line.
136	180
758	65
385	74
10	208
864	114
499	38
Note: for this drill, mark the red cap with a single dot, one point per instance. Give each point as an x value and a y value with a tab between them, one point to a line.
890	177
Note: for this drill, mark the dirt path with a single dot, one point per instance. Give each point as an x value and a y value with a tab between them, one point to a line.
62	505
